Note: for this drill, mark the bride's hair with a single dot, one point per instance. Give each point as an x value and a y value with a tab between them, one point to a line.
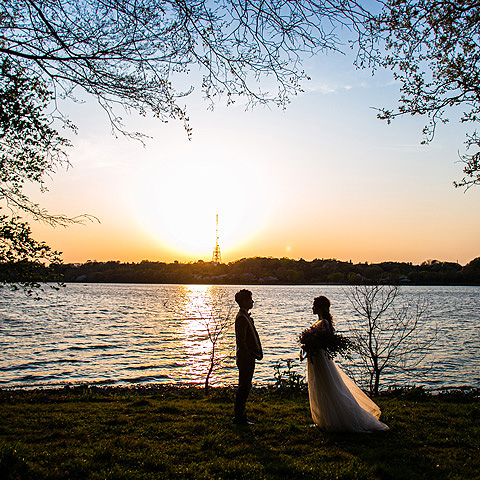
323	304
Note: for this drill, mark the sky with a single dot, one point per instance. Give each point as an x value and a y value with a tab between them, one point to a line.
323	178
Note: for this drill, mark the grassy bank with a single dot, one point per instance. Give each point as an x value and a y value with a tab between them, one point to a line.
176	433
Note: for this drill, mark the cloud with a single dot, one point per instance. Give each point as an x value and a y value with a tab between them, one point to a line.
326	88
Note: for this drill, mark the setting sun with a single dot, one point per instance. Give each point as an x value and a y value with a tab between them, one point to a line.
177	202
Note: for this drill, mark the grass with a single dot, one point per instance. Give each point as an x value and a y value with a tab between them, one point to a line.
178	433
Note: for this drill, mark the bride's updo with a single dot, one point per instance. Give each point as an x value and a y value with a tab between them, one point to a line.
322	306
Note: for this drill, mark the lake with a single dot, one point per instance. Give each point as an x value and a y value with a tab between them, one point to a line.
124	334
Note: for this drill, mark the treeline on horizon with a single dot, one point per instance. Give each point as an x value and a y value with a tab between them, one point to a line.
272	271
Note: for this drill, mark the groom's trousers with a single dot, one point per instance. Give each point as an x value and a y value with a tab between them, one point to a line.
246	367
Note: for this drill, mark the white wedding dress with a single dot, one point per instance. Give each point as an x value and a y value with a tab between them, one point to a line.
336	403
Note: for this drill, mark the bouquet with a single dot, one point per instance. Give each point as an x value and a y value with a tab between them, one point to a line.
316	338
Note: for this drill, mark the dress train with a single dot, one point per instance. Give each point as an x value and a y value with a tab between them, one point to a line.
336	403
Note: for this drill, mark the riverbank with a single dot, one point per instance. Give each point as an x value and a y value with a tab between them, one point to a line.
177	433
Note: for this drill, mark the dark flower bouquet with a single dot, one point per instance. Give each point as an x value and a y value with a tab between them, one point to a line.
316	338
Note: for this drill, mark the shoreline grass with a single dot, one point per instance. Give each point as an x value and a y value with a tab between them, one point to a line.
179	433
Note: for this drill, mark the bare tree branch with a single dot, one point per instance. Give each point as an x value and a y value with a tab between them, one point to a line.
387	337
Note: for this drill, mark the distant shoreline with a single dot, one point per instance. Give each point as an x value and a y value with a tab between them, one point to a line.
273	271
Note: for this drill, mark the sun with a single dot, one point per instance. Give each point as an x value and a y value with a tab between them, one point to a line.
177	202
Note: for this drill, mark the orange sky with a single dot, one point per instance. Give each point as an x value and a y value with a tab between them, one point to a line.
322	179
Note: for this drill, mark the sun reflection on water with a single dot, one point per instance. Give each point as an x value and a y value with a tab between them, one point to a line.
201	308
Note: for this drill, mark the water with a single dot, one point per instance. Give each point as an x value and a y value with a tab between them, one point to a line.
139	334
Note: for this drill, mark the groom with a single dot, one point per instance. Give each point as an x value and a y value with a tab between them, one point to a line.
249	349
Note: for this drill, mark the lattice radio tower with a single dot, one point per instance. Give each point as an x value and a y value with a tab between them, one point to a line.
217	256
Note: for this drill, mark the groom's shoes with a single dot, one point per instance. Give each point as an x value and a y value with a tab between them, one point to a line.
243	421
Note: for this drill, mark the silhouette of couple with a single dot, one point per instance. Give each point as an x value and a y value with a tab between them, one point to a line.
336	403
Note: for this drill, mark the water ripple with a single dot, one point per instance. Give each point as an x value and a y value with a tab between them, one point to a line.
123	334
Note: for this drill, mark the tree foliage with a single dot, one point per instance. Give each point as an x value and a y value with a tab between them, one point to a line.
261	270
21	257
135	53
30	149
433	48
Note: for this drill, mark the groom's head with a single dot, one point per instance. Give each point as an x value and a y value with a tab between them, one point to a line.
244	299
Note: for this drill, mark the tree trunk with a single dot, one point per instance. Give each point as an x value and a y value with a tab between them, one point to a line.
210	370
377	382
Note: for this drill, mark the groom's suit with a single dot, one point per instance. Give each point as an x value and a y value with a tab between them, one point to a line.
249	349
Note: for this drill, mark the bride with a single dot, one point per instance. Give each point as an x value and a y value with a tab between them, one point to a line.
336	403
